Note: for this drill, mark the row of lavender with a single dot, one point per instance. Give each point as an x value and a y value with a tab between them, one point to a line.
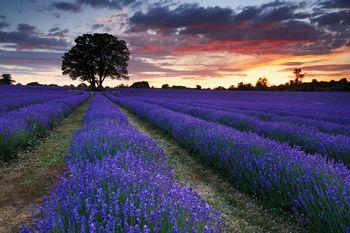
19	128
13	97
119	182
316	190
268	116
307	138
328	106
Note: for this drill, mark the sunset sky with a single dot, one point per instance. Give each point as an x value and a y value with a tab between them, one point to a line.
179	42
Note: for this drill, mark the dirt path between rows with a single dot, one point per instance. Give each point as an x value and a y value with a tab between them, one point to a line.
27	179
241	212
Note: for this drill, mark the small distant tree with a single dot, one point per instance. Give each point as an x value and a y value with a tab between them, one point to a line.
299	75
95	57
220	88
165	86
82	85
179	87
261	84
142	84
245	86
198	87
122	85
7	79
33	84
232	87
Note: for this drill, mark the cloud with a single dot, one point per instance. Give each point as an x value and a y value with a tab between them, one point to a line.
3	17
141	67
28	37
30	59
77	6
4	25
252	23
336	4
332	67
112	4
97	26
57	32
273	28
27	28
327	67
67	6
292	64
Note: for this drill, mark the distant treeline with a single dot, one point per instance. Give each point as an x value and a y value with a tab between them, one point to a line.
261	85
314	85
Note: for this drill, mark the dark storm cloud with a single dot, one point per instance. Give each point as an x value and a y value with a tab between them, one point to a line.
66	6
3	17
28	37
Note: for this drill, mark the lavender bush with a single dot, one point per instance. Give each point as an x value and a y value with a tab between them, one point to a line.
318	191
310	140
119	182
21	126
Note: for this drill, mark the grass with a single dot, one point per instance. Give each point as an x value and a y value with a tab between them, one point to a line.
25	180
242	212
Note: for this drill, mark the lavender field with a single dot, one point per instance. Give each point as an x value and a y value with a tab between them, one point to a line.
284	152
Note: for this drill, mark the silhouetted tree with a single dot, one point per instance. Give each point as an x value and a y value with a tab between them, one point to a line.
7	79
179	87
82	85
198	87
122	86
142	84
298	76
33	84
243	86
165	86
232	87
95	57
261	84
220	88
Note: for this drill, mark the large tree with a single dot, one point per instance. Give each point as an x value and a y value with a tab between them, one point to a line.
95	57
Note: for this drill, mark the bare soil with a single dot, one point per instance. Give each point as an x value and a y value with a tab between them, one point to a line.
27	179
242	212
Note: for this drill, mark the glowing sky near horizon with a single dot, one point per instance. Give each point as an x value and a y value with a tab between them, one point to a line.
180	42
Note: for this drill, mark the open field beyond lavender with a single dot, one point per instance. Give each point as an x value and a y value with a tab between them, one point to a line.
137	160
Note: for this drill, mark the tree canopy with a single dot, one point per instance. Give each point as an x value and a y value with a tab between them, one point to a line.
142	84
6	79
96	57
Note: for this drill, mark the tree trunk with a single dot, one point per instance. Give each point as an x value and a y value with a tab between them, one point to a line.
100	81
93	84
